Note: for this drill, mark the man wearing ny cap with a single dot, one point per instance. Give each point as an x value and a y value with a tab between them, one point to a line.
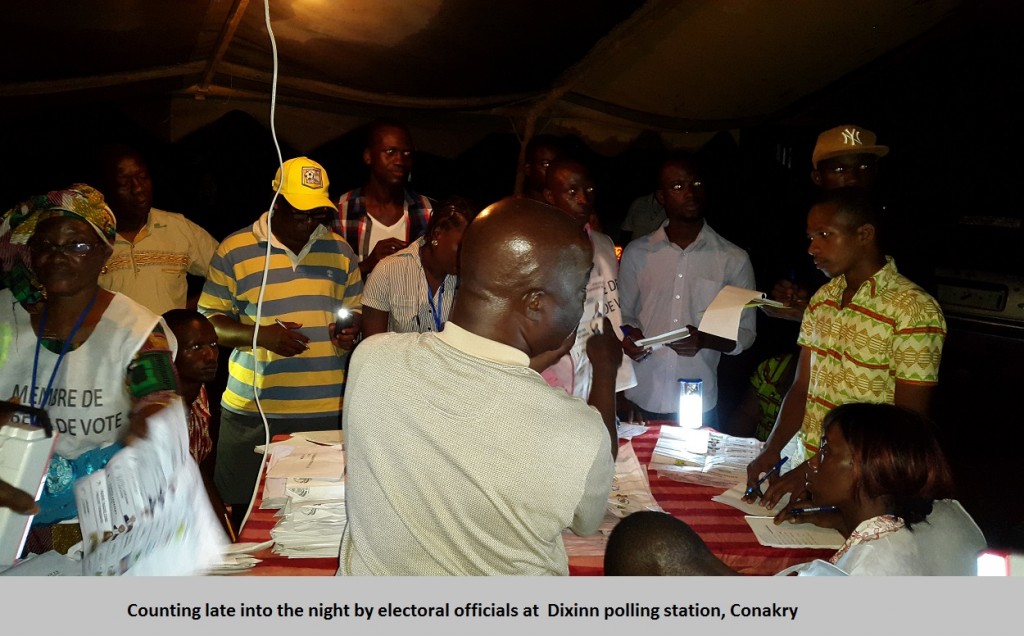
844	157
299	363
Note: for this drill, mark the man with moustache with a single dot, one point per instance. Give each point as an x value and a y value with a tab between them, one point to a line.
383	216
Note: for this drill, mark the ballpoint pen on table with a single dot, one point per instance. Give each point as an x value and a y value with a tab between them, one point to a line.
756	488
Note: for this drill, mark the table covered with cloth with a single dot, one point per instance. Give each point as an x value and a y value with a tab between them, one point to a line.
722	527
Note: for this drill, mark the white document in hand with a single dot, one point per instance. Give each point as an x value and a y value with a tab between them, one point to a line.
722	317
666	338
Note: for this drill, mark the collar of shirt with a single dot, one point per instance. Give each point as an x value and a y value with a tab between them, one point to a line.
147	229
873	285
259	229
480	347
706	237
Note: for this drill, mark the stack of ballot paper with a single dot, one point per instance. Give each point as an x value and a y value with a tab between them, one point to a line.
146	512
703	456
305	482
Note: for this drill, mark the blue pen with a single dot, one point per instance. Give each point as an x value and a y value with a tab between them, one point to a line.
808	511
626	336
756	488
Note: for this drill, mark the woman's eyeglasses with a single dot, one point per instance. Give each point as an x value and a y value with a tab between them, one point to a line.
67	249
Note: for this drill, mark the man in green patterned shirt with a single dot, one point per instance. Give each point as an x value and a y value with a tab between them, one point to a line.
868	335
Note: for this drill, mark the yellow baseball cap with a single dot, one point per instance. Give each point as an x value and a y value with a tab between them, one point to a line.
846	140
304	184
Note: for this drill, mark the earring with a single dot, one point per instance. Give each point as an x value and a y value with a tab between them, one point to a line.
433	243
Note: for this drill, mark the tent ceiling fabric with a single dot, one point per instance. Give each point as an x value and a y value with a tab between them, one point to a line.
670	65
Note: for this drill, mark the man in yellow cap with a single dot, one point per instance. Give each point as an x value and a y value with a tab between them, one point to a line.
299	363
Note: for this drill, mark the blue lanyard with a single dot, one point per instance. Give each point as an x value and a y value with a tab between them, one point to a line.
435	310
60	357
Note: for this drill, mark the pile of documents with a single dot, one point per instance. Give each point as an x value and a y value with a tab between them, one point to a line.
147	513
306	484
703	456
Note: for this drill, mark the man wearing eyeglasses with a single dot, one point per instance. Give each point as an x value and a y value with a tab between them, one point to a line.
299	362
383	216
667	279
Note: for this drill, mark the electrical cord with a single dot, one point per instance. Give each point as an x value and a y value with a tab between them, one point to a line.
266	266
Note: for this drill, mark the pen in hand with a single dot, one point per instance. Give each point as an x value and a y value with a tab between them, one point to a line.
756	488
277	321
808	511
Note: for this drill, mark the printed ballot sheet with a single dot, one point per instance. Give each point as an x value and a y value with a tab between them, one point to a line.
631	489
793	535
722	317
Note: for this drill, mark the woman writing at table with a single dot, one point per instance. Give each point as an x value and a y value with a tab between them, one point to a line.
885	483
97	361
413	289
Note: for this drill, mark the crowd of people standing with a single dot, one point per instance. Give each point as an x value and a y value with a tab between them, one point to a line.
446	337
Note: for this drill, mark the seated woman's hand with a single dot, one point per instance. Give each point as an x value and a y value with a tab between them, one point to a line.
828	517
792	483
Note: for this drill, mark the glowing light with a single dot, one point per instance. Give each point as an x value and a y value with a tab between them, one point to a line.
691	403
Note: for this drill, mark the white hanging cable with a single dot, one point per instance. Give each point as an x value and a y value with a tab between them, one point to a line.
266	266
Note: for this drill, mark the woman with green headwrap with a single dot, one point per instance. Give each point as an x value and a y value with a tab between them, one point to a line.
98	362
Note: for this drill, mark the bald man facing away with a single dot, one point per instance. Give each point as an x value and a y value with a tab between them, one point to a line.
461	459
648	543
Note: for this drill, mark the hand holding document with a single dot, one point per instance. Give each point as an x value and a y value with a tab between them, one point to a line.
734	497
663	339
146	512
722	317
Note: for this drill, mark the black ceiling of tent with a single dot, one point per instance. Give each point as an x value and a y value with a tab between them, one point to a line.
439	48
424	48
56	39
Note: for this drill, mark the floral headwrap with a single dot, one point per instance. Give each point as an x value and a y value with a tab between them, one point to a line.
18	224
